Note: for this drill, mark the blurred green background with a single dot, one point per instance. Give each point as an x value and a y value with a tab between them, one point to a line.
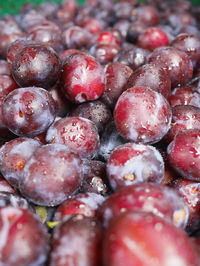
13	6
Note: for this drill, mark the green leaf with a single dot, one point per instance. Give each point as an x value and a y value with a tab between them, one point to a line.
41	213
53	224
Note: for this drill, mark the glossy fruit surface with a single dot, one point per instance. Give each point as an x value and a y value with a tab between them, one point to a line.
183	153
162	243
104	53
183	117
47	33
157	199
13	157
190	191
14	48
83	78
151	76
76	37
134	163
4	68
95	111
7	85
117	75
142	115
51	175
152	38
176	62
36	65
28	111
184	95
78	134
134	57
146	14
24	240
99	133
83	233
190	44
84	204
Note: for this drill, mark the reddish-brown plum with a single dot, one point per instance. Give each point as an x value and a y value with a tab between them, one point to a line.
36	65
93	25
84	12
83	78
151	76
152	38
13	157
117	75
67	53
183	117
142	115
61	103
78	134
175	61
122	26
95	111
184	95
24	240
104	53
109	38
30	18
14	47
190	191
178	20
122	10
84	204
28	111
184	153
190	44
51	175
146	240
134	58
189	29
133	163
82	113
7	84
196	241
146	14
47	33
67	10
9	32
4	68
82	237
76	37
157	199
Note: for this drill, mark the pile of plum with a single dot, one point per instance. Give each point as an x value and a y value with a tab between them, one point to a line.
100	134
